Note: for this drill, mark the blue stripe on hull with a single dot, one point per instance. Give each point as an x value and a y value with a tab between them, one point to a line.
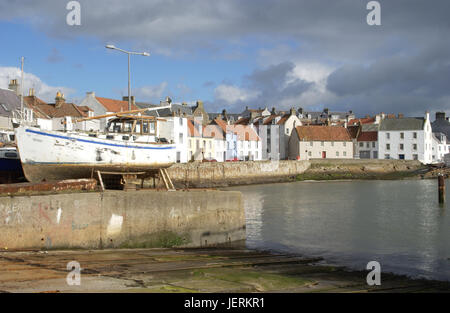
96	142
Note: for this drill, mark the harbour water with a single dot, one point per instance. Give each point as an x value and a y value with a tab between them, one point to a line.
349	223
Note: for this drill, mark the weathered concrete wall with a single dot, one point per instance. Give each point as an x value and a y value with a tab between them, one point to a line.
362	169
215	174
206	175
122	219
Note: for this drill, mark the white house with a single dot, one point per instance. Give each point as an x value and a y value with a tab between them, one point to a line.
320	142
175	129
440	147
408	138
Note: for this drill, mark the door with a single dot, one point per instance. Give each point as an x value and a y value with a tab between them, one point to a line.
364	154
324	154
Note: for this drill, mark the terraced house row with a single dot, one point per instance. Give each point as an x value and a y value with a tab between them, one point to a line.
252	135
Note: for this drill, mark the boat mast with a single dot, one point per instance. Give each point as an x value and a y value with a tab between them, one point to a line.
21	91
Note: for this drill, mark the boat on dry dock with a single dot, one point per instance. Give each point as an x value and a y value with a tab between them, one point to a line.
130	143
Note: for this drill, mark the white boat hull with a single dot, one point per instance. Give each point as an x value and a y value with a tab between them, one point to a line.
53	155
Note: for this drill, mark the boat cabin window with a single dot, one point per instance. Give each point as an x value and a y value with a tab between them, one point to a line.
134	126
11	155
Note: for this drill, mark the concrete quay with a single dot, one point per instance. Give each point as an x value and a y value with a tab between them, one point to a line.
118	219
189	271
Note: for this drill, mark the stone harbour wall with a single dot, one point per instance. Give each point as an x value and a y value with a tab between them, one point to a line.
117	219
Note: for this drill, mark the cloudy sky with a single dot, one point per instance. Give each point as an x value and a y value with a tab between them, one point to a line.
233	53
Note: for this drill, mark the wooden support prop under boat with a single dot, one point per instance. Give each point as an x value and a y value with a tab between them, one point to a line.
128	178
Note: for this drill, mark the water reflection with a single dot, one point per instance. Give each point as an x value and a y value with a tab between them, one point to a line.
398	223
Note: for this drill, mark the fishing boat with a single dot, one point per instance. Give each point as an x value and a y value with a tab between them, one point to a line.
130	143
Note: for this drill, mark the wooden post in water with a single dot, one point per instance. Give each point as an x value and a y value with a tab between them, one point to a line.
441	187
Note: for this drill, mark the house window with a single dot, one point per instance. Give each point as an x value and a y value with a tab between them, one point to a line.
361	144
344	153
181	138
309	153
415	157
345	144
388	146
401	146
387	156
368	144
287	131
414	146
415	135
321	143
373	144
181	121
388	136
332	143
311	143
402	135
337	153
198	144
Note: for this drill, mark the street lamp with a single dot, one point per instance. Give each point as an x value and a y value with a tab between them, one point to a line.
146	54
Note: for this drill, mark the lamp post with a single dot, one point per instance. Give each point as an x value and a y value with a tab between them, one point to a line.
146	54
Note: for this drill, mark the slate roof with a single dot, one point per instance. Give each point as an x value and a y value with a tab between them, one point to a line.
323	133
370	127
441	125
407	123
174	108
9	102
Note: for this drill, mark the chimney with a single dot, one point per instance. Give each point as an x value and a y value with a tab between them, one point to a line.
133	101
168	100
440	115
300	111
14	86
90	94
59	100
199	104
274	112
325	111
293	111
31	92
184	104
377	119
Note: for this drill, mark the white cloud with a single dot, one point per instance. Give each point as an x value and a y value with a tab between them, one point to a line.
151	93
42	90
232	94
